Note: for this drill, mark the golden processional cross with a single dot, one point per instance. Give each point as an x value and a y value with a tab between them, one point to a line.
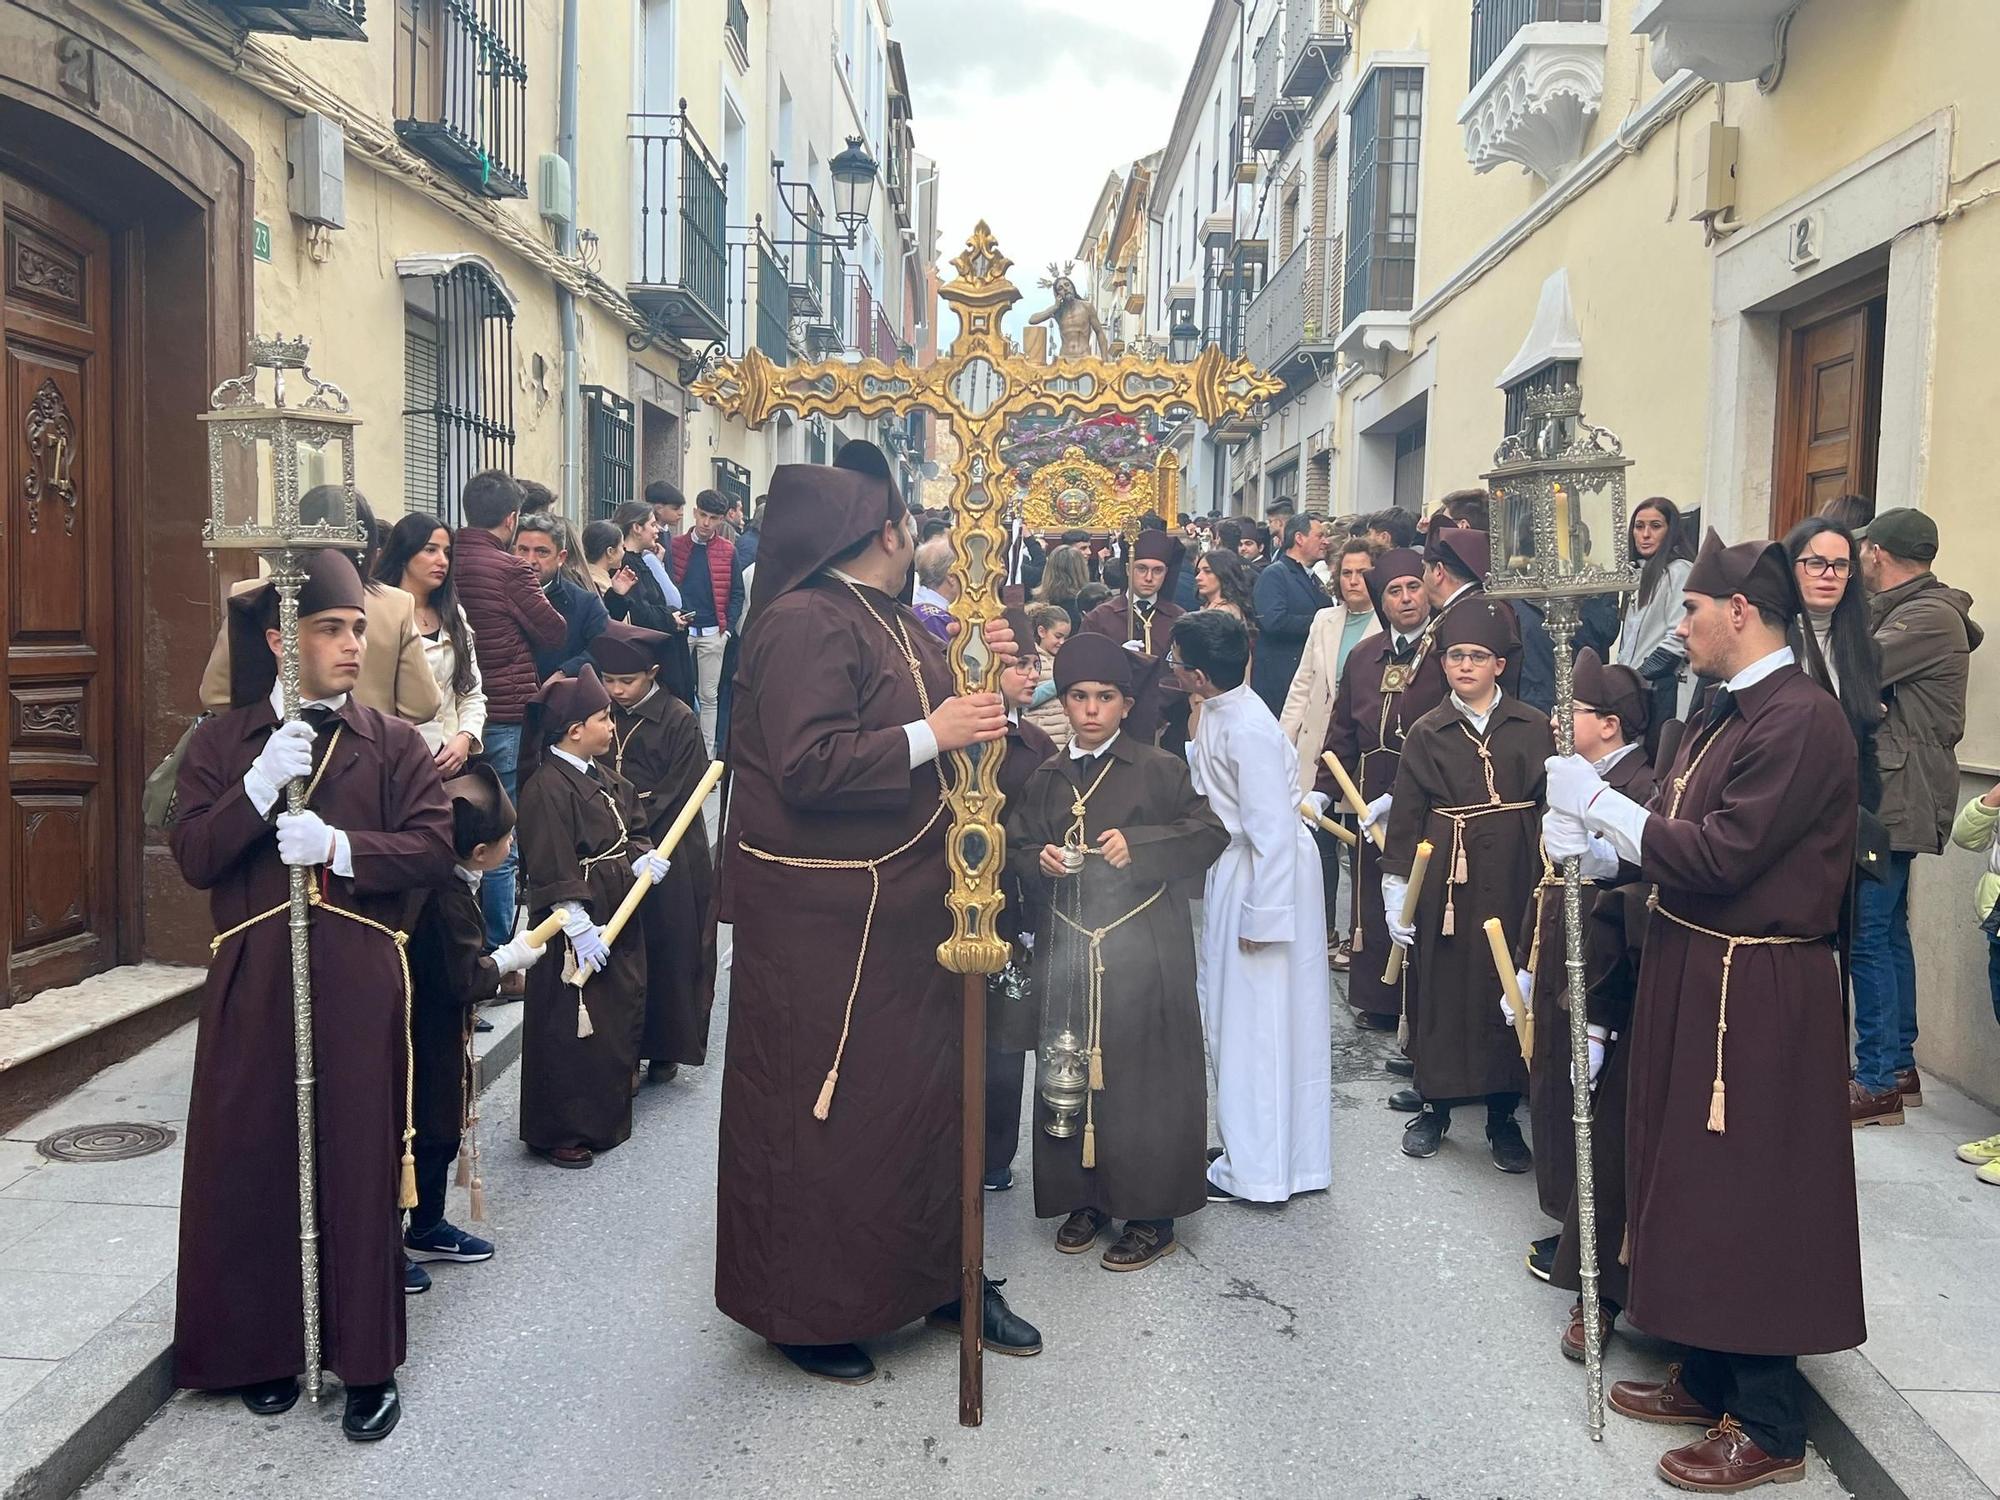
978	385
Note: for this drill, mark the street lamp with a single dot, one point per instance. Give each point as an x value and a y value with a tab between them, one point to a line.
1557	517
1183	337
854	173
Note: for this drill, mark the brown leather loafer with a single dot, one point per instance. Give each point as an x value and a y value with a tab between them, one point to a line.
1911	1087
1138	1247
1664	1401
1726	1462
1864	1108
1080	1231
573	1157
1572	1339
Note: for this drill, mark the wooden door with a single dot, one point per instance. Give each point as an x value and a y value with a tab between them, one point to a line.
1830	403
58	860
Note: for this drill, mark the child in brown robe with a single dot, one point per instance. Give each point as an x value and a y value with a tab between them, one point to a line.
657	746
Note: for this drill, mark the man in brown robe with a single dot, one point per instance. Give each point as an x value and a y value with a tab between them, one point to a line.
837	1191
1116	965
1013	1010
1742	1225
1379	697
1144	615
1470	783
583	845
659	749
1611	708
377	824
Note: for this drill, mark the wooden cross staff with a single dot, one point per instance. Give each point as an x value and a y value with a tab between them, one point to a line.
978	385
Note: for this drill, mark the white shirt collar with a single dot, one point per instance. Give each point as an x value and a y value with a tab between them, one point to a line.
1478	721
1077	752
337	702
651	693
1761	668
1462	588
1603	766
931	597
576	760
472	878
1138	598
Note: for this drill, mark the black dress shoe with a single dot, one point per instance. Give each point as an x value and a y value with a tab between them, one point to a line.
1510	1152
372	1412
662	1072
267	1398
1423	1135
1402	1067
844	1364
1406	1101
1005	1331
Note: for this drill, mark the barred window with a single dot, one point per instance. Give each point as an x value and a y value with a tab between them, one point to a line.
458	368
1382	192
609	441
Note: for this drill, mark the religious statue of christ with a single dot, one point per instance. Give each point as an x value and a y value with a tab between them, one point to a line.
1076	320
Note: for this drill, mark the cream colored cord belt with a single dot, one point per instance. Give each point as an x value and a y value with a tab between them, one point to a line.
1095	1012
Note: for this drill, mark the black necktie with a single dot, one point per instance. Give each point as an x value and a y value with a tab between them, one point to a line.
1145	608
316	714
1721	706
1404	649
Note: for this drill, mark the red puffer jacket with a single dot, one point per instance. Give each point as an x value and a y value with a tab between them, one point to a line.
721	568
510	617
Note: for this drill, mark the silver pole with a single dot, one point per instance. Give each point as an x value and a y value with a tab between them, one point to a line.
288	578
1561	620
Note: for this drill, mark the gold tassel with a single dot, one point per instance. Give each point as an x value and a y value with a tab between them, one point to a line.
478	1201
825	1105
406	1197
583	1026
1715	1107
1089	1144
464	1177
1097	1069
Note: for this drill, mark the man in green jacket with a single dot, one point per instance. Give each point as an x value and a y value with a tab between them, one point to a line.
1927	637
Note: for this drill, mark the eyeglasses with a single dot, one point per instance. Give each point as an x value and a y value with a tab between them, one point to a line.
1458	656
1819	567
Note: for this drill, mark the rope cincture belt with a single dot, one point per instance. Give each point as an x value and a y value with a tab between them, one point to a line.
407	1192
1095	1010
1730	943
1458	874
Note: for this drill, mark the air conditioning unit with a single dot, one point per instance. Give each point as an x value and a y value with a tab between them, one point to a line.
555	196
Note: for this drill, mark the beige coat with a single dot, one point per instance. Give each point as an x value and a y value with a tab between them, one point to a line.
395	675
1308	712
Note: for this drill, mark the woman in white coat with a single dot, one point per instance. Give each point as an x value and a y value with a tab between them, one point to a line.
1646	642
1262	974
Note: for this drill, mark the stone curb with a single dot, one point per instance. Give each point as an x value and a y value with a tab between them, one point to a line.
1878	1445
58	1435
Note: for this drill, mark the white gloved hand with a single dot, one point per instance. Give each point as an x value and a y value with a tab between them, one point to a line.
1564	835
1525	983
1622	822
1506	1008
286	756
1573	781
651	866
1376	811
592	952
1318	802
304	839
1402	934
1598	1037
517	956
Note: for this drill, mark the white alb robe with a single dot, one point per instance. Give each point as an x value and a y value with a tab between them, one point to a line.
1266	1013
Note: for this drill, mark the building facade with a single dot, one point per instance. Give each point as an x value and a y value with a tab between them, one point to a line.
512	248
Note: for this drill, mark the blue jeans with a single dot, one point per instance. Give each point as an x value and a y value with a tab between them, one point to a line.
1993	972
501	748
1885	979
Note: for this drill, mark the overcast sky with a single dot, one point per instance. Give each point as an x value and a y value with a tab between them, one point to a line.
1027	105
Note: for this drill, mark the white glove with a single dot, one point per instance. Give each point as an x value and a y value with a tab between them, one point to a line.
1506	1009
1376	811
1573	781
1564	835
651	866
1402	934
1598	1037
517	956
1318	802
286	756
304	839
592	952
1621	820
1525	983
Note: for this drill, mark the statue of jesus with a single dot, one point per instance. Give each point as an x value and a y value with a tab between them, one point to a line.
1075	319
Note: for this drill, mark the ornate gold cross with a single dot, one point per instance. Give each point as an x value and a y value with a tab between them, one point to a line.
977	385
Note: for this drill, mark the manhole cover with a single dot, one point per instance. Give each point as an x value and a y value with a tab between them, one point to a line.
118	1142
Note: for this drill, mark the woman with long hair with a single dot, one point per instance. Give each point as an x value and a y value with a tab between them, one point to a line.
602	555
1646	641
641	594
416	558
1831	638
1063	577
1222	581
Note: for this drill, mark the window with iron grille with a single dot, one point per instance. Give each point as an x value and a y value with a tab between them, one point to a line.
462	88
732	482
458	369
1495	23
608	442
1551	377
1382	192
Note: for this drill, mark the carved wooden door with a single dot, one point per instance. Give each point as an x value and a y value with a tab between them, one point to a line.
1830	403
58	863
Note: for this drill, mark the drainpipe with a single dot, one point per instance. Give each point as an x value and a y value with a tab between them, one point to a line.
566	309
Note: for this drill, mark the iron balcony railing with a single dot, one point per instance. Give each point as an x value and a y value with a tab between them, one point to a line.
467	94
680	259
340	19
773	294
1495	23
1299	307
1273	117
1315	41
738	22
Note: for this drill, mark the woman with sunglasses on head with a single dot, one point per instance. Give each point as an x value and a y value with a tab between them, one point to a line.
1646	641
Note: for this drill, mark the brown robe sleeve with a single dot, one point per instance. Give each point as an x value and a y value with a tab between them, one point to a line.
1343	735
217	824
1183	844
1029	827
825	760
547	836
416	849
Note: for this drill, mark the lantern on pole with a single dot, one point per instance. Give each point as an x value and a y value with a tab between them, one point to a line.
262	454
1558	527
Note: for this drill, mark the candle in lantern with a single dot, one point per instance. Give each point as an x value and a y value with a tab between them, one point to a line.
1562	526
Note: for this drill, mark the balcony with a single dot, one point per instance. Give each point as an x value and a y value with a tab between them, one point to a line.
772	295
1316	39
1724	41
1298	312
305	19
463	106
736	29
827	334
1274	118
680	260
1534	101
873	336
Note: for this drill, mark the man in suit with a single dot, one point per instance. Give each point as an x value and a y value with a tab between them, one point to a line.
1287	597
